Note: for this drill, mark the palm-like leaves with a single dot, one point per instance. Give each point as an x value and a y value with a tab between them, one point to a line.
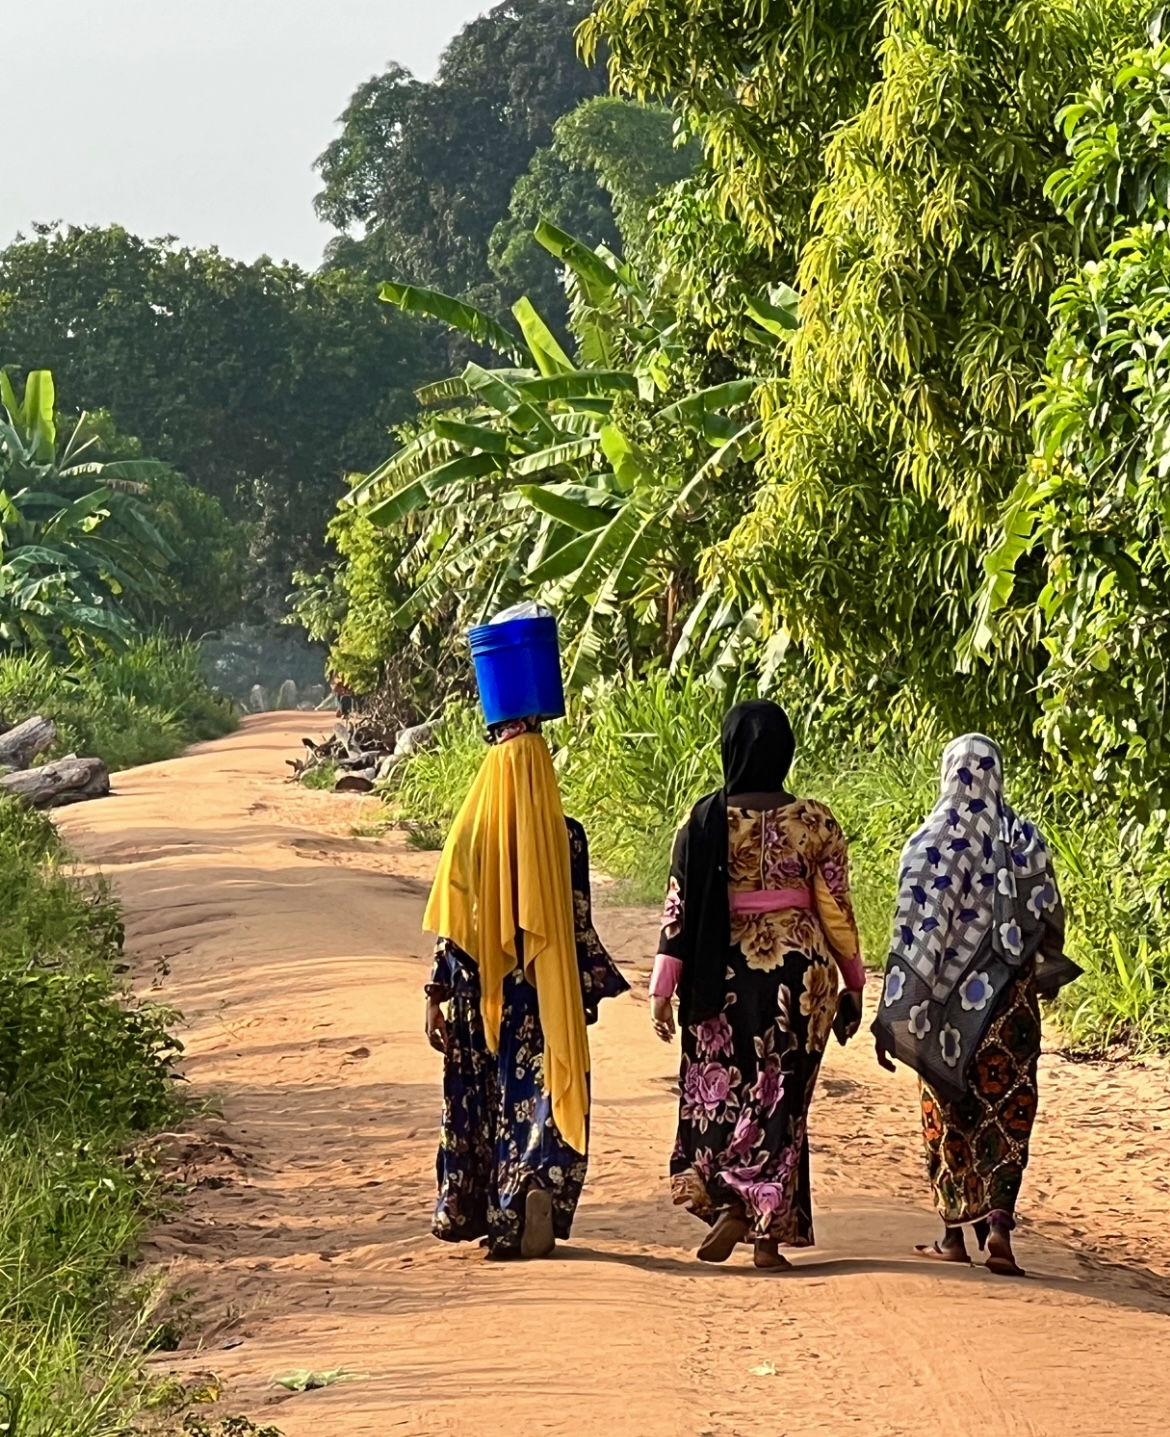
531	482
77	553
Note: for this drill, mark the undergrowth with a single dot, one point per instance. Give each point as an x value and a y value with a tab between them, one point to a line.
84	1072
631	759
141	705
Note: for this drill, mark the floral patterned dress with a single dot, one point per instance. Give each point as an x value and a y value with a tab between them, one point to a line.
977	1145
498	1135
748	1075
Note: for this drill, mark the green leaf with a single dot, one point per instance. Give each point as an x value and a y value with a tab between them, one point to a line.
563	562
779	314
597	279
700	410
554	456
405	501
560	503
628	461
579	384
456	314
39	414
507	399
550	357
442	390
472	436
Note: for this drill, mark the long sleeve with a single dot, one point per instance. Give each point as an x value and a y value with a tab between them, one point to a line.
664	979
442	971
835	908
600	977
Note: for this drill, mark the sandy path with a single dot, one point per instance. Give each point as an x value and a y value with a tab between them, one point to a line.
293	948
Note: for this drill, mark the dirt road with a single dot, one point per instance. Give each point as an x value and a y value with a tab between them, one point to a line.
293	948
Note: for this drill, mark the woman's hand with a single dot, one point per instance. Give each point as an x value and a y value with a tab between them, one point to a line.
662	1016
849	1014
883	1056
436	1026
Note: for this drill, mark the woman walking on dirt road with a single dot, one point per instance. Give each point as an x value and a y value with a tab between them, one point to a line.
978	938
522	969
757	923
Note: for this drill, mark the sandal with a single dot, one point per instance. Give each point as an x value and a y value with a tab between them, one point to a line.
769	1258
939	1254
1000	1258
729	1231
538	1239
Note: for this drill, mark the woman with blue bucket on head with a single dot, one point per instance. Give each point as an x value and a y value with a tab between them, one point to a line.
519	965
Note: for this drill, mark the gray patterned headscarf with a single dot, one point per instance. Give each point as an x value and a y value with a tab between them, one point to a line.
975	892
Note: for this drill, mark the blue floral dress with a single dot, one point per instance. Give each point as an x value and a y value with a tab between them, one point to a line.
498	1134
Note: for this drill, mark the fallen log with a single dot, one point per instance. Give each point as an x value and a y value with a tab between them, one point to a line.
20	745
67	780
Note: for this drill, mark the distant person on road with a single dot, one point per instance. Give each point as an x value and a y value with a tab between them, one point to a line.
757	924
978	938
344	696
522	971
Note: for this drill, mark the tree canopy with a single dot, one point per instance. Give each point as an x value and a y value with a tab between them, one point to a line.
262	384
422	173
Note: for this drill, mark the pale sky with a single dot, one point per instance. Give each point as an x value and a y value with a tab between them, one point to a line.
197	118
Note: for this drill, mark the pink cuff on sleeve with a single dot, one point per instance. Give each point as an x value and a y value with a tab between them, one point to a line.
664	978
853	972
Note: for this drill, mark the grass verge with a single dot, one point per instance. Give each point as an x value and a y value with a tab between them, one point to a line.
84	1074
142	705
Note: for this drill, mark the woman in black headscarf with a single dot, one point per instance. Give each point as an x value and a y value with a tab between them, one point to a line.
757	924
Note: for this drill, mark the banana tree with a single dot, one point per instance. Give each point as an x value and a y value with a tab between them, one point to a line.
77	553
566	479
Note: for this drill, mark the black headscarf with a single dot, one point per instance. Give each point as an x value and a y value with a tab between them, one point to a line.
758	747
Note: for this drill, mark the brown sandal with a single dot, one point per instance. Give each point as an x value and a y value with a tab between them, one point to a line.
769	1258
1002	1263
938	1254
729	1231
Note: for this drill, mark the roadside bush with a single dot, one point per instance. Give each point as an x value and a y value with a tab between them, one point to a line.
141	705
84	1071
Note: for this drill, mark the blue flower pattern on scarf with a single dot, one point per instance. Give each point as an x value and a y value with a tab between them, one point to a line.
975	888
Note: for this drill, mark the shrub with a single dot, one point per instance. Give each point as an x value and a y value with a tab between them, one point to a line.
138	706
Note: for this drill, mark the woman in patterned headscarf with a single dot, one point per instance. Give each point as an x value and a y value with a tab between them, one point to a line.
978	938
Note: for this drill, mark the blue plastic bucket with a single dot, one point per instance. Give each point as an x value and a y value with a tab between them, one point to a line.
518	669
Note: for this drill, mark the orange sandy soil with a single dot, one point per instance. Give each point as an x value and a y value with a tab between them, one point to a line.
295	953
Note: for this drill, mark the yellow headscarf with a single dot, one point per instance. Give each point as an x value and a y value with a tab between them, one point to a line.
504	870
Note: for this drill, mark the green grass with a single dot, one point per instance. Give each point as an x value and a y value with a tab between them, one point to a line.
632	759
84	1072
323	777
139	706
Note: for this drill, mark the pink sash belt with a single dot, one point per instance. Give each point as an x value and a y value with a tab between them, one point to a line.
771	900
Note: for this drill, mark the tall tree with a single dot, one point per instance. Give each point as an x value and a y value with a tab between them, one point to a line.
609	162
898	154
422	173
262	384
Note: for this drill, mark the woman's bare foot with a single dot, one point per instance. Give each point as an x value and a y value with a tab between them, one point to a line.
729	1231
953	1248
769	1256
1000	1258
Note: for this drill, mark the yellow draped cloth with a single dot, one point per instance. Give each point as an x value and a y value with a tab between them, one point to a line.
505	870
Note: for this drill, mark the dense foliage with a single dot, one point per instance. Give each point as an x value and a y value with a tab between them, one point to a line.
422	173
920	281
83	1073
258	383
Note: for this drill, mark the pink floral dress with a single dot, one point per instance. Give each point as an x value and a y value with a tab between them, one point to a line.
748	1075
